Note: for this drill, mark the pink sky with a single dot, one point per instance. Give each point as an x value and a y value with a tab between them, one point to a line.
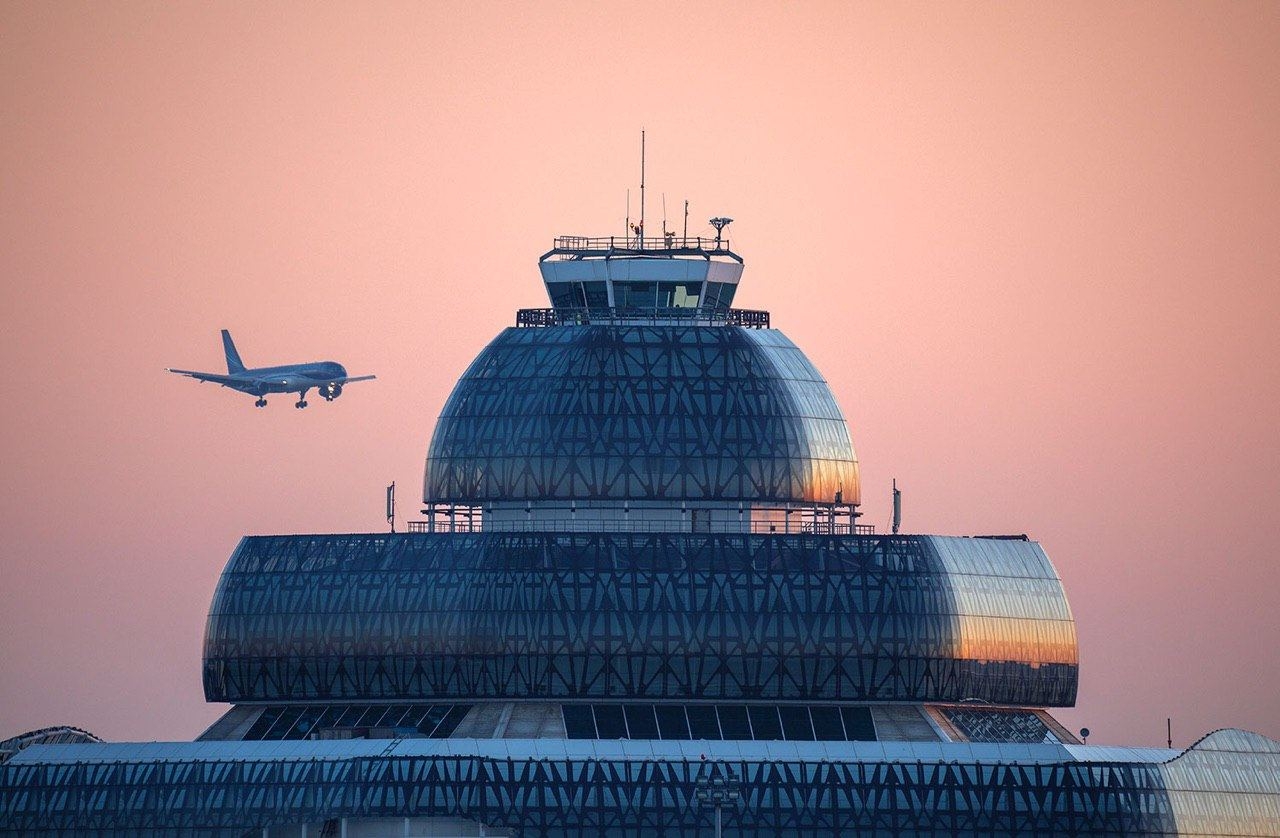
1034	248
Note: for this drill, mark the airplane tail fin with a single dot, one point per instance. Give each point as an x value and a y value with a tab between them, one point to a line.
234	364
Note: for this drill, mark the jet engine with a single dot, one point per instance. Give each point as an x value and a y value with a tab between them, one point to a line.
331	391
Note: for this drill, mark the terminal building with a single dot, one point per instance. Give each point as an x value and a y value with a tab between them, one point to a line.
639	602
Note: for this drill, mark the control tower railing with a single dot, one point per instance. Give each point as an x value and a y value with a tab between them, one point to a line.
541	317
469	524
584	247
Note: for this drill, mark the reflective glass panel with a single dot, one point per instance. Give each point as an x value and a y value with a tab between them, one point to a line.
702	721
764	723
610	723
579	722
640	721
858	726
795	723
827	726
671	721
733	722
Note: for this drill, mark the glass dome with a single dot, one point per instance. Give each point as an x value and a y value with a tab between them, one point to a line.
641	413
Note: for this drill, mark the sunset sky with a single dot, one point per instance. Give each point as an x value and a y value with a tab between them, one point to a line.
1034	248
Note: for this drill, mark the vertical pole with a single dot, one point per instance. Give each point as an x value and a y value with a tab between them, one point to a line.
642	189
897	507
1168	729
391	505
718	833
684	239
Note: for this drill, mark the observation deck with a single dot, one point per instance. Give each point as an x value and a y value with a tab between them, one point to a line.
669	246
634	278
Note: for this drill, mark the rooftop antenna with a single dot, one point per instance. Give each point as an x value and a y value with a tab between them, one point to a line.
391	505
719	223
641	189
897	507
684	239
667	236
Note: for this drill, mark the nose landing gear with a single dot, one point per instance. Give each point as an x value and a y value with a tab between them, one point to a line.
260	403
301	403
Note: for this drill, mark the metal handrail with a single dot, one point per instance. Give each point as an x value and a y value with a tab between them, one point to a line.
469	524
542	317
635	243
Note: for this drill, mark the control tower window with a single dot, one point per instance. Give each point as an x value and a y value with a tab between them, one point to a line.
636	294
596	294
720	294
566	294
578	294
679	294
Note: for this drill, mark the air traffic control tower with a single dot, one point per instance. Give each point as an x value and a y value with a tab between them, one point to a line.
640	602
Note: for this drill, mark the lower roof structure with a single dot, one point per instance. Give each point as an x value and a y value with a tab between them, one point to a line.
1226	784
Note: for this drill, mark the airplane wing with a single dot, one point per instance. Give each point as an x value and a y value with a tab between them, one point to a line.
224	380
352	378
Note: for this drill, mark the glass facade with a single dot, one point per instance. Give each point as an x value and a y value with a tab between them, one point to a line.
622	615
641	413
767	723
281	722
998	725
1228	783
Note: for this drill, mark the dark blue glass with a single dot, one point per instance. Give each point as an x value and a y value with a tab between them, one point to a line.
579	721
795	723
765	723
691	617
610	723
641	412
672	722
702	721
858	726
827	726
641	722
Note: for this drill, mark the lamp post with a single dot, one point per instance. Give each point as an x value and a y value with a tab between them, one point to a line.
720	788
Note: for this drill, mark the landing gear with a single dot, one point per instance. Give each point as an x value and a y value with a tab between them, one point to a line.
261	402
301	403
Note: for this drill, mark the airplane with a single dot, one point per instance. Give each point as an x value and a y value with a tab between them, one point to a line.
327	377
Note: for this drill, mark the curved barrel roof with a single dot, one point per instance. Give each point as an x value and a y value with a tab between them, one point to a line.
661	616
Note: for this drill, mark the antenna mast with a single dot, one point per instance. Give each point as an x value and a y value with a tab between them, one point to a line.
641	189
391	505
684	239
897	507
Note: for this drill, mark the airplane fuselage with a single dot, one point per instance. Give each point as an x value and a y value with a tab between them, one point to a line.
289	378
